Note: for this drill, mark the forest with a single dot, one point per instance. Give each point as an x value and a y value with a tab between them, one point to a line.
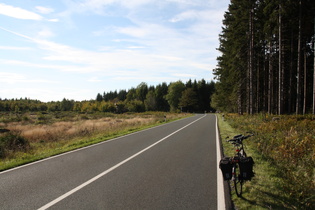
267	58
192	96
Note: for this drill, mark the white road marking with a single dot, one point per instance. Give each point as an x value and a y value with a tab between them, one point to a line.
220	188
111	169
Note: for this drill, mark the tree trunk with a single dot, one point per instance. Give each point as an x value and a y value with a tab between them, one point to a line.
299	65
304	95
239	99
280	76
314	71
270	81
266	82
251	56
290	89
257	102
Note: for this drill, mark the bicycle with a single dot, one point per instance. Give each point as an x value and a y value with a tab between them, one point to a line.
242	166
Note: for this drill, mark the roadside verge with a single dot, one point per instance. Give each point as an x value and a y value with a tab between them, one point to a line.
223	189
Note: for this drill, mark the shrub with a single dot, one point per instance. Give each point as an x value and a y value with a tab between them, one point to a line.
12	142
135	106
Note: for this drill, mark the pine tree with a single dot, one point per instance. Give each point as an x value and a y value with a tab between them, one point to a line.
266	62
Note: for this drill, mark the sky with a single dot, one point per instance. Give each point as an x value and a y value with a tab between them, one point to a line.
75	49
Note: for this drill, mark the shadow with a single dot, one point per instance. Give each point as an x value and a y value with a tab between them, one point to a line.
269	200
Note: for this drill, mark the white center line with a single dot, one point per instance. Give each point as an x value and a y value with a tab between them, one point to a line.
110	169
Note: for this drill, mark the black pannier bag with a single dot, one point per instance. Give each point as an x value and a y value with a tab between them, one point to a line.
246	168
226	168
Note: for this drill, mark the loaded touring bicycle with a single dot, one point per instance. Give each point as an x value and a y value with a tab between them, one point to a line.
239	168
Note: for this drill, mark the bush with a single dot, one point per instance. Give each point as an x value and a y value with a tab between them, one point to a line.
12	142
135	106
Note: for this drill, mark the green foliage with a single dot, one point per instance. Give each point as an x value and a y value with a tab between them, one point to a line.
189	100
150	101
265	46
135	106
162	97
174	94
10	142
160	93
288	142
142	91
42	118
222	101
131	95
99	97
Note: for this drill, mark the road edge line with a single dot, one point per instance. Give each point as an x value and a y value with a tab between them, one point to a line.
220	186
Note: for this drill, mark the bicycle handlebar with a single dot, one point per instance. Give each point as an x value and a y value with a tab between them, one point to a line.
239	138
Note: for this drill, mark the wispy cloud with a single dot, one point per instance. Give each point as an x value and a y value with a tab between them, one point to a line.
44	10
134	31
45	33
162	61
14	48
91	61
13	78
18	13
187	15
185	75
98	6
94	79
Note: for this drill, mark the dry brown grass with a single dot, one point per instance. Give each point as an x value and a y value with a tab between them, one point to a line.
69	129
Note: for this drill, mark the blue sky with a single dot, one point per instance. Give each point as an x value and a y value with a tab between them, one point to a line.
74	49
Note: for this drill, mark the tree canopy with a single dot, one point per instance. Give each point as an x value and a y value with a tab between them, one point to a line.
176	96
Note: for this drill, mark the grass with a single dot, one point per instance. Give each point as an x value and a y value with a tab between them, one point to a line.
267	189
62	132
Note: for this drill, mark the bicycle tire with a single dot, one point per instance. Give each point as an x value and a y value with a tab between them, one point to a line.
238	182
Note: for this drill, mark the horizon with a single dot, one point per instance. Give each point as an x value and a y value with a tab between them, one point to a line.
94	99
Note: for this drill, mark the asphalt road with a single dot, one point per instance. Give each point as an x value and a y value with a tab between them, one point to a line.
173	166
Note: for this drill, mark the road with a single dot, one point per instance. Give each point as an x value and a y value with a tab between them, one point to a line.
173	166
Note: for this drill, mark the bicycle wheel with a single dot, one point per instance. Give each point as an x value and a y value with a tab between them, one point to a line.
238	182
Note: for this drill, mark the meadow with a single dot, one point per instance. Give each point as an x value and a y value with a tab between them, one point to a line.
37	135
284	153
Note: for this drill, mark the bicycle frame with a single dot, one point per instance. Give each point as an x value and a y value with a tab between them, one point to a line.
239	150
